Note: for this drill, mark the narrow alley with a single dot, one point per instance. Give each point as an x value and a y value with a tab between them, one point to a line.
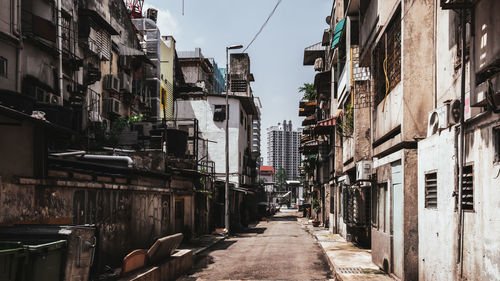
276	250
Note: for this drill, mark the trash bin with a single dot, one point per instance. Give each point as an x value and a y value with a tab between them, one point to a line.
45	261
12	255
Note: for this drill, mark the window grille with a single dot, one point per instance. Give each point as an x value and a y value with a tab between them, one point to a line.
431	190
468	188
387	59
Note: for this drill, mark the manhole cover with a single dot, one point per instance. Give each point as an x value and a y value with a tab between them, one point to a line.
350	270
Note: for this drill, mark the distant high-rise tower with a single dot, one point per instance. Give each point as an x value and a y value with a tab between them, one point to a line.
283	149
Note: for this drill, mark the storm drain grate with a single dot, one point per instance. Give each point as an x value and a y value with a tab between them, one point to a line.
350	270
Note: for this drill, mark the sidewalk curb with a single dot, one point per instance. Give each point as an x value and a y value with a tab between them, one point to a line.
335	276
195	253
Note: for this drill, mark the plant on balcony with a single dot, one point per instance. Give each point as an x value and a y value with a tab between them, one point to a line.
346	124
309	91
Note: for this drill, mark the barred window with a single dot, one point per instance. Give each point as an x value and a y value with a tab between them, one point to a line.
387	59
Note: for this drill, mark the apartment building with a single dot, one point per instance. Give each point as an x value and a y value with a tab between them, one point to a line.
406	172
283	149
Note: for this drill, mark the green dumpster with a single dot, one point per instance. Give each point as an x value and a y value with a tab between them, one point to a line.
45	261
12	256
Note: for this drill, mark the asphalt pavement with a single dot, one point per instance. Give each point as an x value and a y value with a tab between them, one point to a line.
278	249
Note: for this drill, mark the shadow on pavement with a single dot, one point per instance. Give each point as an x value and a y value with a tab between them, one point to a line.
204	259
283	218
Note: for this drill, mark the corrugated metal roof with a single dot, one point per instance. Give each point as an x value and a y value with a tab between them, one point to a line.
316	47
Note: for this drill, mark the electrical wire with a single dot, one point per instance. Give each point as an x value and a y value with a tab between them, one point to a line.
263	25
387	85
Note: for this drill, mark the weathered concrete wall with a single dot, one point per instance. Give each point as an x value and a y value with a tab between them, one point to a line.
126	216
389	116
481	227
437	226
410	215
16	147
203	110
416	67
362	121
381	249
8	82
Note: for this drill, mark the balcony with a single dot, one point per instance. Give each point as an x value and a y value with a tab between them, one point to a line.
388	115
39	30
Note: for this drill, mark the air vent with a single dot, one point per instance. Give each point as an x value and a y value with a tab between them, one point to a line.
468	188
431	190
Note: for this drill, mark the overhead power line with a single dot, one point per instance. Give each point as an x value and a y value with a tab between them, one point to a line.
263	25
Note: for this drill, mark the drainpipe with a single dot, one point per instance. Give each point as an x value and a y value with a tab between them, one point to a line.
461	146
59	50
110	157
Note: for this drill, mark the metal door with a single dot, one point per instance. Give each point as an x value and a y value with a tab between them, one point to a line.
397	219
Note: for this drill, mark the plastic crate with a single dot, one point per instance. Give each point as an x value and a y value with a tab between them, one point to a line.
12	256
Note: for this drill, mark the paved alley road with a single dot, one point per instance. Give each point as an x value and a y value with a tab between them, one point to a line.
276	250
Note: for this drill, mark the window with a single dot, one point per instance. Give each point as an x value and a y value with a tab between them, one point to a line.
468	188
3	67
241	117
387	59
220	112
431	190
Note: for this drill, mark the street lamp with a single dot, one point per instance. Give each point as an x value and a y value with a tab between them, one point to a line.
226	195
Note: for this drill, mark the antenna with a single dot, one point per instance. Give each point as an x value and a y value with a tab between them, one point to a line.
134	7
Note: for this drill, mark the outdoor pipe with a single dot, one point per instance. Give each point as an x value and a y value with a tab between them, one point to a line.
110	157
69	153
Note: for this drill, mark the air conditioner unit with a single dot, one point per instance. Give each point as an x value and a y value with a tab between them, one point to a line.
94	47
438	120
363	170
111	105
50	98
190	148
111	83
125	83
191	132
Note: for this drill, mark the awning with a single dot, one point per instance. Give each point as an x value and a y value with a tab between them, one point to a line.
313	52
326	123
325	127
98	18
339	29
129	51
